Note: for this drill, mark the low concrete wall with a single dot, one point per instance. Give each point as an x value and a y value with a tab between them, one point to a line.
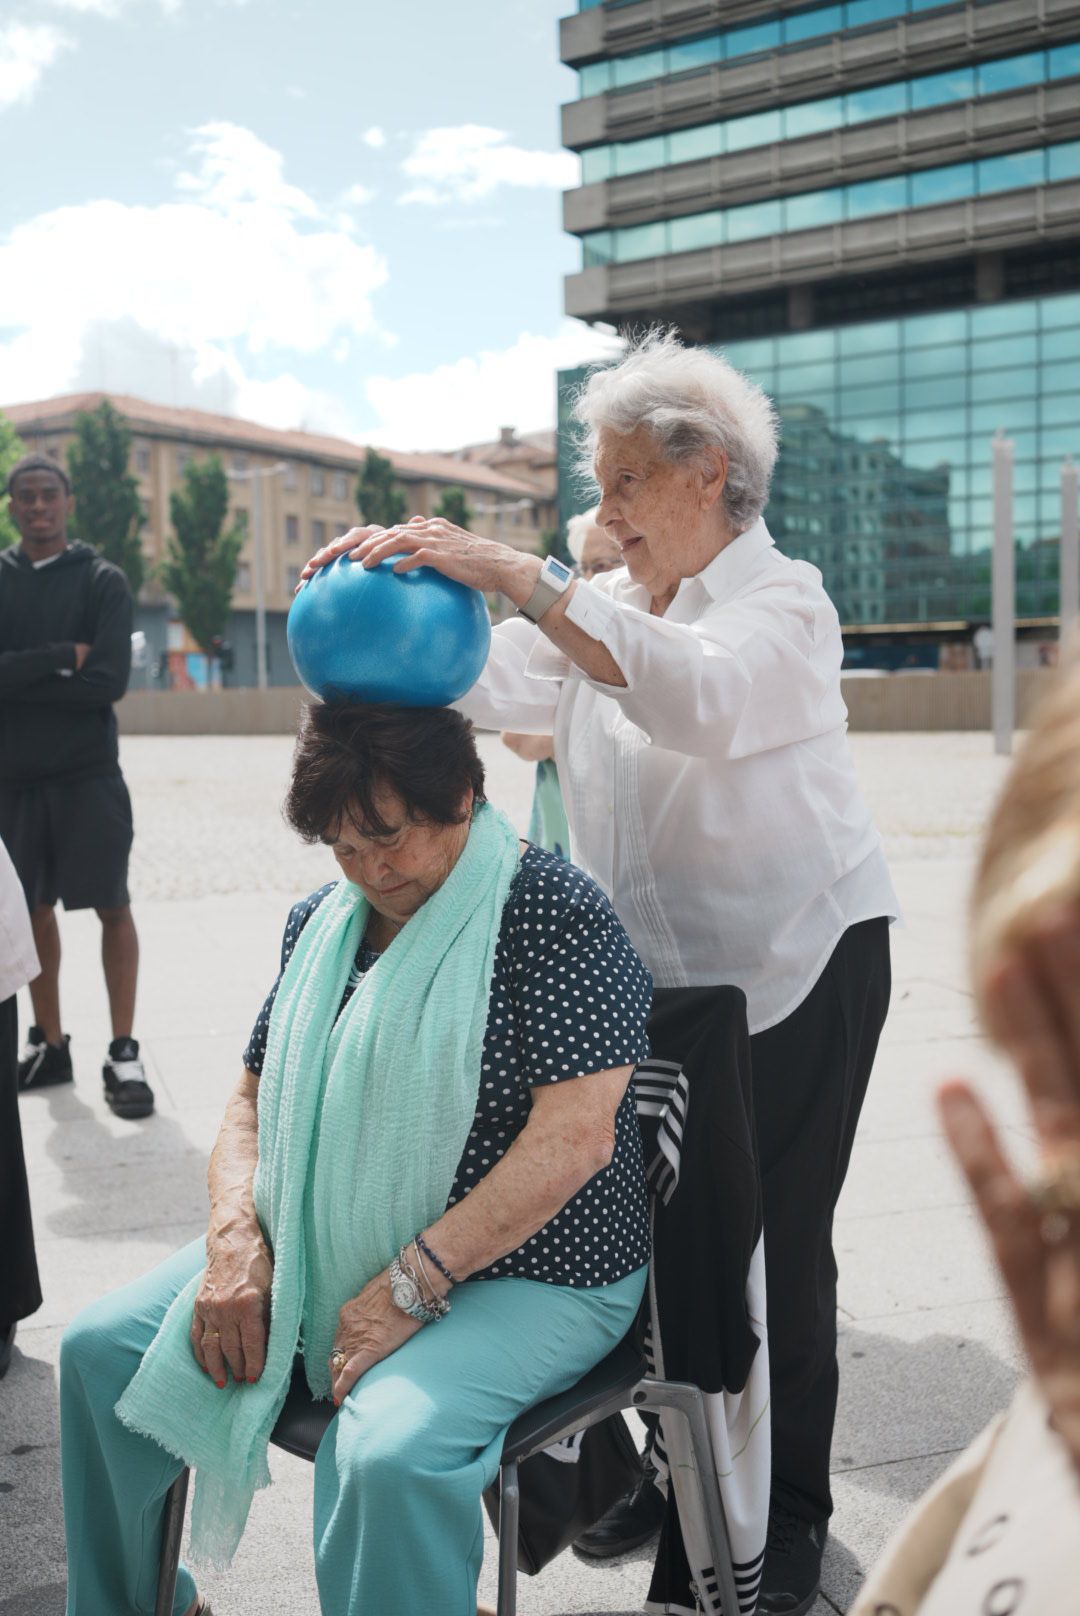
900	701
211	712
935	701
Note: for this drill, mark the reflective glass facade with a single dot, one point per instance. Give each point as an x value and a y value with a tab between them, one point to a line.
753	39
833	112
722	226
884	477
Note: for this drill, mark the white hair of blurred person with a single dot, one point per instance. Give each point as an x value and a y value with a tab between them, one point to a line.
591	546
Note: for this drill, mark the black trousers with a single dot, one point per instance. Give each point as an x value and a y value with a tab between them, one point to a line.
20	1292
809	1076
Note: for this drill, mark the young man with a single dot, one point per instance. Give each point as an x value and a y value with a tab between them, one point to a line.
65	813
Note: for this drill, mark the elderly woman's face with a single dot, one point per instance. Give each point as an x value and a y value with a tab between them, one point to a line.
653	508
398	871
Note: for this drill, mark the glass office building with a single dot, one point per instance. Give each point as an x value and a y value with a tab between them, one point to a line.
873	209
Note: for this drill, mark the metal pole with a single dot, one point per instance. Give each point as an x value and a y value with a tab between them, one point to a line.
260	591
1070	550
1003	591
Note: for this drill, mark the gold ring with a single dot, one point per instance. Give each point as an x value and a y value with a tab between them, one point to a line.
1055	1190
211	1335
338	1359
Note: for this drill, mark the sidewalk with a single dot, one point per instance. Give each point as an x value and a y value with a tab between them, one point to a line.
926	1353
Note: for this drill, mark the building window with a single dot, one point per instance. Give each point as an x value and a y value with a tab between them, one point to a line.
292	579
184	458
239	462
318	535
318	480
341	528
142	459
243	578
340	485
292	530
288	475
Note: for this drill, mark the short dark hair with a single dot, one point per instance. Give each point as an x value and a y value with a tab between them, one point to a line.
36	462
346	754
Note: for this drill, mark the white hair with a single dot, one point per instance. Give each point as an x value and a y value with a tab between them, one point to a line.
692	402
578	529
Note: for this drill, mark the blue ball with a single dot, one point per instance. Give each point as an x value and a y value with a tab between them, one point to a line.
362	634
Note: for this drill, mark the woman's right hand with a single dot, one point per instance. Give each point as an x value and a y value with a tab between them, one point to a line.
231	1321
1032	1005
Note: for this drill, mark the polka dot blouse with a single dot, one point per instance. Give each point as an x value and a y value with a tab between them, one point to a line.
569	996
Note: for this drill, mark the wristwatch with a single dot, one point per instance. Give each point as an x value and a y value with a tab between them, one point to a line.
405	1293
555	577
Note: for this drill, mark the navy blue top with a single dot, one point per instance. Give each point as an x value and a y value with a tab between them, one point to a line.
569	996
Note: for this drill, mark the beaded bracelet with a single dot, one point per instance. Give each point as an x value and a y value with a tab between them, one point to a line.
422	1246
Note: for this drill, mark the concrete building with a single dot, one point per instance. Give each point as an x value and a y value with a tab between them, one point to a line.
872	207
308	497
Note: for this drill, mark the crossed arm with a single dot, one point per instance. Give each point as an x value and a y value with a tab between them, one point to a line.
569	1137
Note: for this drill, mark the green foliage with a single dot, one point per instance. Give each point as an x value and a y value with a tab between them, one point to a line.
199	569
108	510
12	448
379	496
549	542
454	506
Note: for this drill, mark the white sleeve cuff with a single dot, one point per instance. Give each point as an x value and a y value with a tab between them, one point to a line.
592	611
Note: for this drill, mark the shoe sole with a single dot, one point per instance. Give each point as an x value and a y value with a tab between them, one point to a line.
625	1546
50	1082
130	1113
796	1610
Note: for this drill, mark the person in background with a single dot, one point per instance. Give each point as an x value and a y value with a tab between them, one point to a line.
701	738
65	813
20	1288
998	1532
594	551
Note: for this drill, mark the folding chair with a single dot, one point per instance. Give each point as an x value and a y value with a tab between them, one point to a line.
619	1382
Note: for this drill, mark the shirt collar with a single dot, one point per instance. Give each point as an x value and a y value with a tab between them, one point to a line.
726	573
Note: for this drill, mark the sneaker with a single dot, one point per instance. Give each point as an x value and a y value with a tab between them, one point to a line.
635	1520
791	1576
126	1088
42	1064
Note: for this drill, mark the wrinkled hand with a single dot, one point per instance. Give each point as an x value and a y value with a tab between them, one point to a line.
81	653
231	1320
530	748
434	542
369	1329
343	545
1032	1001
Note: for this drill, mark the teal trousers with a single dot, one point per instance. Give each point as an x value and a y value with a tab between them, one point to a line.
398	1525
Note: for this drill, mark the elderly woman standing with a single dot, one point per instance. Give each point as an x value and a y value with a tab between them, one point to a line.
429	1180
700	737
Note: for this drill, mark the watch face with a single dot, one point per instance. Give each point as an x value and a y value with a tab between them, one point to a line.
404	1293
556	568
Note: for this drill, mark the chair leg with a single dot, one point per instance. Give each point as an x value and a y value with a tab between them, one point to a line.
172	1531
509	1500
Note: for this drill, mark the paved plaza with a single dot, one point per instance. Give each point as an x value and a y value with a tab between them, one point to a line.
926	1352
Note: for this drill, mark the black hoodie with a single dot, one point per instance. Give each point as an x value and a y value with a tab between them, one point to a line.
56	724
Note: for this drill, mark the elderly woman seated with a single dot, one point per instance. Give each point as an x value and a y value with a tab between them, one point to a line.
428	1181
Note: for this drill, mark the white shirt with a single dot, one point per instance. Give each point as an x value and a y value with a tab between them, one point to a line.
18	957
714	798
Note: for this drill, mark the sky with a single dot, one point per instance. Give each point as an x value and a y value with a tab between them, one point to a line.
342	217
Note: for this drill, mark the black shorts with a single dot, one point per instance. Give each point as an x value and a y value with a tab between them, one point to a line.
70	842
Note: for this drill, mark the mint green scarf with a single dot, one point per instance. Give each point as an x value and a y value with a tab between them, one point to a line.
362	1123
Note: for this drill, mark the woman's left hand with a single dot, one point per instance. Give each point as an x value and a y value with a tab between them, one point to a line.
369	1329
433	542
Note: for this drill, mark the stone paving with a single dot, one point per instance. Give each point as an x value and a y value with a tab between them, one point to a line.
926	1351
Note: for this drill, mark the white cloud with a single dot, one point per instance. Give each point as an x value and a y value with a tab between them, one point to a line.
26	50
374	137
172	298
468	162
358	196
469	400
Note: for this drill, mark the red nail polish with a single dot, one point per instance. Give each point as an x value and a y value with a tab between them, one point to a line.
220	1384
251	1380
337	1402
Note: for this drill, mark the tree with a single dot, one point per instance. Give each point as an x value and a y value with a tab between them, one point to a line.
199	569
379	496
108	510
454	507
12	448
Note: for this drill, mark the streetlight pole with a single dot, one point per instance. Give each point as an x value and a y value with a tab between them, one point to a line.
1069	606
255	478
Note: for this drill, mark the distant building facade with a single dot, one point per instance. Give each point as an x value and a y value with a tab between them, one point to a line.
308	500
873	208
